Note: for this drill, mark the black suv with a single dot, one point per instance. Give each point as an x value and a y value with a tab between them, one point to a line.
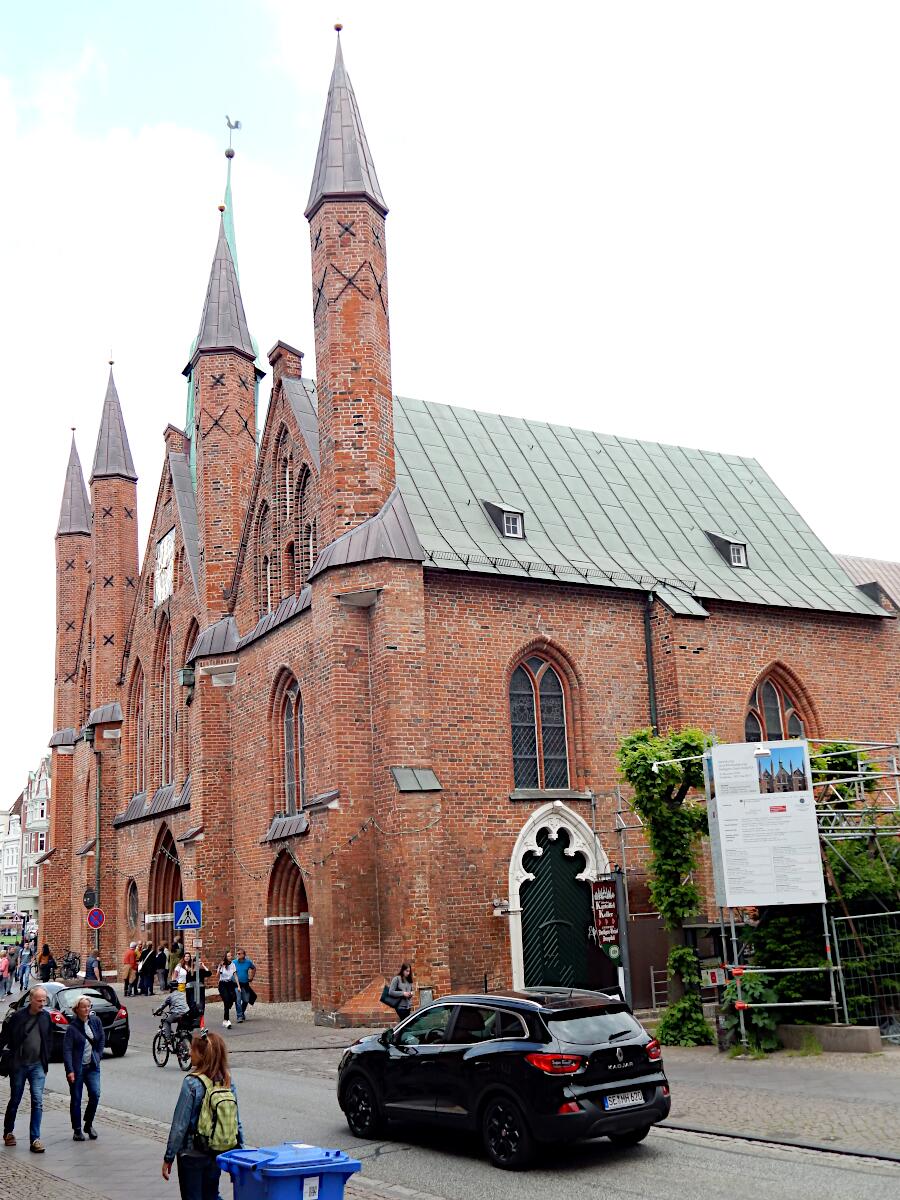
540	1065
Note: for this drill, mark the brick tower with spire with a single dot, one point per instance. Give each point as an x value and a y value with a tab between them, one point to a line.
73	557
346	213
223	376
114	548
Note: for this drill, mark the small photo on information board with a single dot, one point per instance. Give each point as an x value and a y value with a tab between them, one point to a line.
762	825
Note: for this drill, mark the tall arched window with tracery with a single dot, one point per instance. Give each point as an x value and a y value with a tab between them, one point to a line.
537	708
166	707
772	715
294	748
138	715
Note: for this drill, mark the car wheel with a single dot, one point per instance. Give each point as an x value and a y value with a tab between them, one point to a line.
118	1049
505	1134
631	1138
360	1107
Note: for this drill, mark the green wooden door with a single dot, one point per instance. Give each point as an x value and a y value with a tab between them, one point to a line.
556	915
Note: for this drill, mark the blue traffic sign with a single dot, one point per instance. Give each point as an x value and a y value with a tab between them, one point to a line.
95	918
188	914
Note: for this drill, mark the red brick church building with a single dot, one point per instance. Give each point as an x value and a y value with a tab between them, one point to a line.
364	692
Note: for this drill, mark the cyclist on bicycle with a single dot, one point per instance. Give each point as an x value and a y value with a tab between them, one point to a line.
172	1009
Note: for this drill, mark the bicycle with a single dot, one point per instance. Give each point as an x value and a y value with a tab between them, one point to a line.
177	1043
71	965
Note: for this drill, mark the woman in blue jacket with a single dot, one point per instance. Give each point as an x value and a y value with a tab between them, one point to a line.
82	1053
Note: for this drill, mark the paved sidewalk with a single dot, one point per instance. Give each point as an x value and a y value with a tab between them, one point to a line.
123	1164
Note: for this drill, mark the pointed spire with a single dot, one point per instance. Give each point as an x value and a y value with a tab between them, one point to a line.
223	325
75	512
113	454
344	165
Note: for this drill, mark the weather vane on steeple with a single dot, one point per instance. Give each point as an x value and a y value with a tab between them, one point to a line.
232	125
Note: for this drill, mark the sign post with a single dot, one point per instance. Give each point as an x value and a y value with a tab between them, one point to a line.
609	930
188	916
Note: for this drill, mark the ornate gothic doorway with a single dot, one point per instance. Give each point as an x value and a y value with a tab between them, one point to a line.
165	887
555	857
288	932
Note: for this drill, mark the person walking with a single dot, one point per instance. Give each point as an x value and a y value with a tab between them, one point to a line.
25	962
161	966
146	968
175	956
46	964
227	973
206	1085
401	990
27	1036
192	967
129	962
13	955
82	1054
245	969
92	969
5	982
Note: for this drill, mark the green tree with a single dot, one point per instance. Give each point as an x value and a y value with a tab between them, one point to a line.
662	772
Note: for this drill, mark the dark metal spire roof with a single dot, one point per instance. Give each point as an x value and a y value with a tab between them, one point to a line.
113	455
223	325
75	512
344	165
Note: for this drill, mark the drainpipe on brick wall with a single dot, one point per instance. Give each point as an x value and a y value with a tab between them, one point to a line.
651	669
97	850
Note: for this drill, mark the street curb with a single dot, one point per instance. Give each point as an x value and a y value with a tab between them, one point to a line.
788	1143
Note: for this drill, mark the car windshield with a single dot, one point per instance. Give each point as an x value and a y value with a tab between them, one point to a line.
593	1028
68	997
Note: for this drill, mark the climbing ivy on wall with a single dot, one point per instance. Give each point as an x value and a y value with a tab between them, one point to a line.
664	788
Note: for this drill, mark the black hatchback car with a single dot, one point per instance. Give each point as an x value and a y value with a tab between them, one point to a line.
520	1068
61	1000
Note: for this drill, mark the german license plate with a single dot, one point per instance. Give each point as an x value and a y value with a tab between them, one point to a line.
623	1100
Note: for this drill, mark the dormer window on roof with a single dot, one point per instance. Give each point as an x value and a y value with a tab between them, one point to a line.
733	551
510	522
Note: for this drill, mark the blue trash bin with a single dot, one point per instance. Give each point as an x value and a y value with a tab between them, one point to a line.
291	1171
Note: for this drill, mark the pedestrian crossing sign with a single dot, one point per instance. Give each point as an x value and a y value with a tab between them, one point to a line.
188	914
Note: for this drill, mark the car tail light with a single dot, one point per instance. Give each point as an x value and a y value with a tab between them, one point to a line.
122	1014
571	1106
665	1089
57	1018
556	1064
654	1051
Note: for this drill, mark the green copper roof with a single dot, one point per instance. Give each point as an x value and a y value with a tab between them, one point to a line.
608	511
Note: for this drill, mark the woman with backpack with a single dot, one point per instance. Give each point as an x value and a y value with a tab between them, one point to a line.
206	1121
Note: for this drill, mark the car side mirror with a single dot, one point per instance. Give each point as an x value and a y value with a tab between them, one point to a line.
387	1038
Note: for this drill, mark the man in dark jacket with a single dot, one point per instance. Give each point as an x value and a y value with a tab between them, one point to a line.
82	1054
27	1035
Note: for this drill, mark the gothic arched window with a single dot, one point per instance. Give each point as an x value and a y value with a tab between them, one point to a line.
166	705
772	715
537	706
139	731
294	750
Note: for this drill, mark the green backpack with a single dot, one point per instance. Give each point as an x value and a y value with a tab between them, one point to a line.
217	1126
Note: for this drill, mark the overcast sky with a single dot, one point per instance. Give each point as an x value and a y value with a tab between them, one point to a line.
672	221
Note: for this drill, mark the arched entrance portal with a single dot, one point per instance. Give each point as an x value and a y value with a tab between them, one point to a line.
288	932
165	887
555	857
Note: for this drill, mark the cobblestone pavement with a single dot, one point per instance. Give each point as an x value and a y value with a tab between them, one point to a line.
844	1101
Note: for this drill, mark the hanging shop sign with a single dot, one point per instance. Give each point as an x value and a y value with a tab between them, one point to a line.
762	825
605	930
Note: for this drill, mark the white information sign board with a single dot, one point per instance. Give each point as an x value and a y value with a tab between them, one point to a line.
762	825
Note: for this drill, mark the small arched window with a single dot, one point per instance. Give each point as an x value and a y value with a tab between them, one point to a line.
537	707
131	904
294	750
772	715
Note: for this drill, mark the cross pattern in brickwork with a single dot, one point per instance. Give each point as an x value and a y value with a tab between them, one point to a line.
243	382
70	564
379	284
318	242
320	291
217	421
70	626
129	513
246	427
350	281
108	639
347	228
107	512
129	582
218	380
107	581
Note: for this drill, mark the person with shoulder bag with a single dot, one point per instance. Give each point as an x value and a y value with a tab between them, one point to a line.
400	991
227	973
25	1039
206	1121
82	1054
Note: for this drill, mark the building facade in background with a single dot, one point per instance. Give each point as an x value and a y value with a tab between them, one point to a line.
35	819
364	693
10	853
